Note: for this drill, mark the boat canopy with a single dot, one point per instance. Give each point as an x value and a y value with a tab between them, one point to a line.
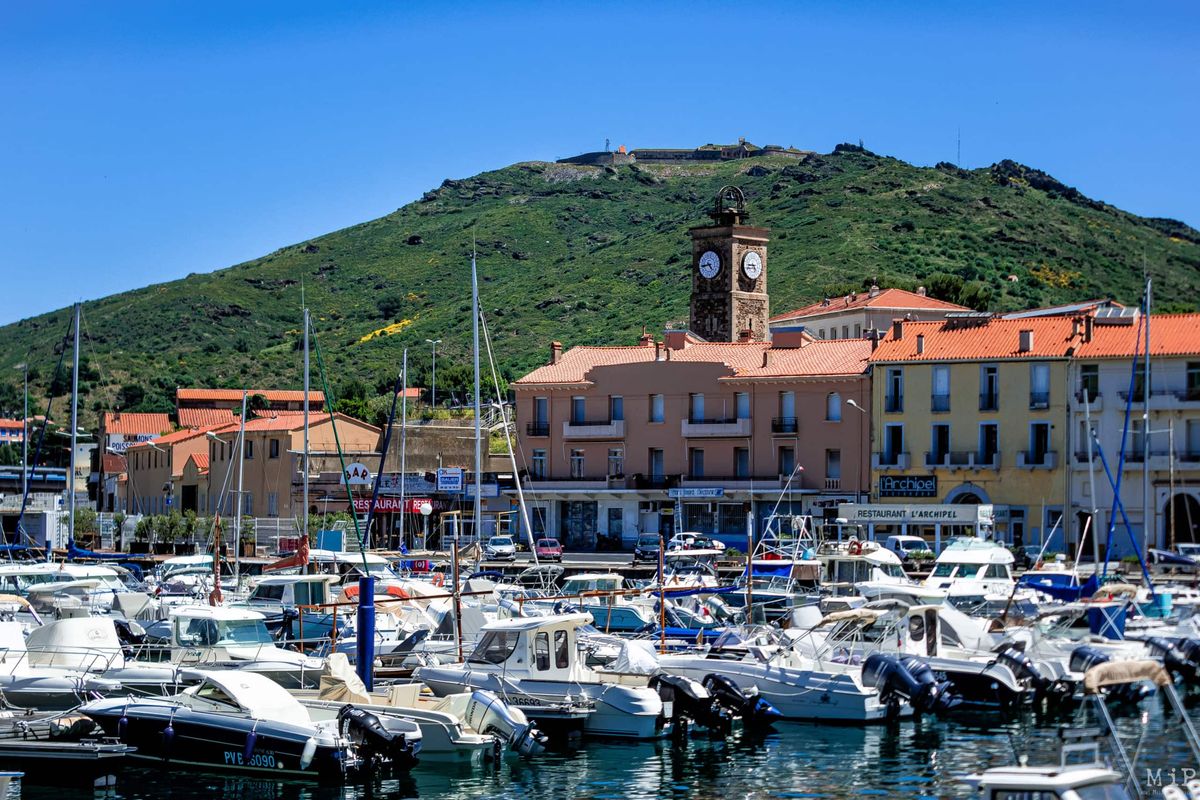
256	695
1114	673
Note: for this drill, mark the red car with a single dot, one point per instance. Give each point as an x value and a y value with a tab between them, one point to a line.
548	550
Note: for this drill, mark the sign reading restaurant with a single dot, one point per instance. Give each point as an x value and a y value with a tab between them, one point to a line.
886	514
908	485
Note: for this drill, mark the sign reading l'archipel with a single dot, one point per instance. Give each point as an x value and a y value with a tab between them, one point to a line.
908	485
883	513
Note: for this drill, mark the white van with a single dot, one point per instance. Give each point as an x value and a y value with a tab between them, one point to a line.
905	546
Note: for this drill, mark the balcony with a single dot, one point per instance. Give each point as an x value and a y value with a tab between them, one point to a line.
1031	459
1039	400
1191	395
833	484
985	460
939	403
989	401
597	429
653	482
955	459
1095	400
888	461
699	428
537	429
784	425
732	481
893	404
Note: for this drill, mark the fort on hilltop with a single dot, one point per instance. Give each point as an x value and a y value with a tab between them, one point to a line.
707	152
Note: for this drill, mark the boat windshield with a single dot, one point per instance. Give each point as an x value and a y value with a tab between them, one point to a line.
891	570
243	632
949	569
495	647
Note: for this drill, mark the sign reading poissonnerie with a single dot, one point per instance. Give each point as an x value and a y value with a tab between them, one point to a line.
908	485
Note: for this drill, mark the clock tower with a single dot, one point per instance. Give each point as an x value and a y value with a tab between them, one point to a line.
729	274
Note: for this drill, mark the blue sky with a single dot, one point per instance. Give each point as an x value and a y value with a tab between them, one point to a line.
142	141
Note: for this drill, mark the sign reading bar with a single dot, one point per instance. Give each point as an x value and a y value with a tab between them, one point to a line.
908	485
931	514
695	492
450	480
357	475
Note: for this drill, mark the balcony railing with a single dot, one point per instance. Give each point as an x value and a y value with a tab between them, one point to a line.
1094	400
721	426
1039	400
833	484
955	459
890	460
985	460
784	425
989	401
1032	459
594	429
893	403
1189	395
939	403
640	481
537	429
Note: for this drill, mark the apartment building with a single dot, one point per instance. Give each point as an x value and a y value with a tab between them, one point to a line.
868	313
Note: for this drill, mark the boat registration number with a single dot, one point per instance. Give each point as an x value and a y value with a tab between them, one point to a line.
238	758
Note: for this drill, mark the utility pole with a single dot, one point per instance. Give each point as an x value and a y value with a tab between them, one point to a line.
433	382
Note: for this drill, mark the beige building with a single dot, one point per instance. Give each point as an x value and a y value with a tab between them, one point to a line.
155	468
859	314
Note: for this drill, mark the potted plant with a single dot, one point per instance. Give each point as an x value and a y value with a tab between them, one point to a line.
249	537
142	532
167	528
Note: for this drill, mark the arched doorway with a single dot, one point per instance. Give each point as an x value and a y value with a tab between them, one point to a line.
967	499
1182	515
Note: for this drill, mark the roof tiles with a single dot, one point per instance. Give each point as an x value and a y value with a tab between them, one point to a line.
886	298
273	395
125	422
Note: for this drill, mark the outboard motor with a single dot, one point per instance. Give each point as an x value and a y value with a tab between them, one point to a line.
1085	657
1023	667
376	742
908	678
750	706
1174	657
486	713
689	700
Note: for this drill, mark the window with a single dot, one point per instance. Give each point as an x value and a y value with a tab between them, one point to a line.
1039	442
537	465
1193	440
742	401
576	463
787	405
939	444
616	462
272	504
741	462
541	410
274	448
248	504
939	401
1193	380
562	653
858	330
833	332
578	410
1089	382
616	408
249	450
495	647
656	408
996	572
696	462
833	407
616	524
989	388
787	460
833	465
989	443
541	651
821	334
845	331
893	444
1039	385
894	399
696	407
656	462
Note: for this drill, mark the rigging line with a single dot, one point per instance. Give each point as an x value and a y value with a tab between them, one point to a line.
338	443
105	377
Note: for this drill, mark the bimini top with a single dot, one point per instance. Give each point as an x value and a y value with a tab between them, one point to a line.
535	623
213	612
257	695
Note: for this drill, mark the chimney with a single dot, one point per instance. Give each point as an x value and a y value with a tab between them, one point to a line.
676	340
1075	325
555	352
1089	322
921	291
746	336
874	290
766	358
920	343
897	329
645	340
1026	341
873	335
658	351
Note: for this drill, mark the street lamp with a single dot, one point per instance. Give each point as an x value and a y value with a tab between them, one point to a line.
861	464
426	509
433	381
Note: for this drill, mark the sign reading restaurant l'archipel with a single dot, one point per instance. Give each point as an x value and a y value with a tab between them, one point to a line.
885	514
908	485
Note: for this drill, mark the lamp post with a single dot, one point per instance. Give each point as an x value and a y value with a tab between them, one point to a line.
433	343
426	509
859	478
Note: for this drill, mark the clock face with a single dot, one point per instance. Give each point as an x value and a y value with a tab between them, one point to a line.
752	265
710	264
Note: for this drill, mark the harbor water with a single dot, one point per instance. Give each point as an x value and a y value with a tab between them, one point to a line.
797	760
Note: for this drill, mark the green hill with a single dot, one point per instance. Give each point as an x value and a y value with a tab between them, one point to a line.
590	255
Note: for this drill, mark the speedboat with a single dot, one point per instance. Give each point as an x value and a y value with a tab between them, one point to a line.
535	665
976	575
242	722
1080	774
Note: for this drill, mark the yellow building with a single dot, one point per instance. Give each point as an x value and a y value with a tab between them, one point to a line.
972	410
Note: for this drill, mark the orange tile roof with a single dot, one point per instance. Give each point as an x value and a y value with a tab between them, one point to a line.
114	464
1170	335
12	423
200	417
175	437
200	460
125	422
288	422
744	359
887	298
273	395
972	340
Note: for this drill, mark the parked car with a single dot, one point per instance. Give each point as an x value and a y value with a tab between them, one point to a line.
500	548
908	547
548	550
694	541
646	548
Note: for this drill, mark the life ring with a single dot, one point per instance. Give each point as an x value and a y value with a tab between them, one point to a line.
855	547
438	578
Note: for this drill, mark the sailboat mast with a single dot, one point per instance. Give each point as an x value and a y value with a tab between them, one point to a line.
1149	535
237	518
25	440
74	433
403	441
478	436
304	458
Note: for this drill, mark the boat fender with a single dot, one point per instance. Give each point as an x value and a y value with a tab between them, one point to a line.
123	723
251	741
168	737
309	752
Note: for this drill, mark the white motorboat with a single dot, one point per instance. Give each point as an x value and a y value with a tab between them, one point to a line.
976	575
534	664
